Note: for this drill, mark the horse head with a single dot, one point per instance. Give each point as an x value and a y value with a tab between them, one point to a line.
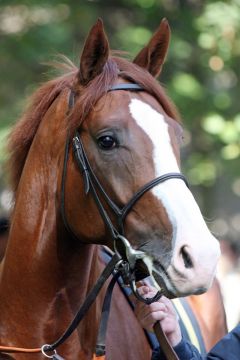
131	137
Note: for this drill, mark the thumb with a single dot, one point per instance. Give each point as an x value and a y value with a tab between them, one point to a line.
143	290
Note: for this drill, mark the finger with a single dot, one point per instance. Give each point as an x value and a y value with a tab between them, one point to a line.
150	319
143	311
169	324
143	290
151	288
144	285
156	306
169	305
146	292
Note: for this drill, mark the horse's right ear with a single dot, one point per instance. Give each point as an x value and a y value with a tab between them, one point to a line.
152	56
95	53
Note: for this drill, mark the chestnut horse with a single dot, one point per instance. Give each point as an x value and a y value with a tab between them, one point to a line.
130	137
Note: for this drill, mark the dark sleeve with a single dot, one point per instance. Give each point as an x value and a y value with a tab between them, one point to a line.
184	350
228	348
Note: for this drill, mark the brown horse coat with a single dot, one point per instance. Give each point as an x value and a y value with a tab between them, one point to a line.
46	274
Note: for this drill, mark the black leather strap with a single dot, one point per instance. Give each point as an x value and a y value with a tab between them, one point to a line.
85	168
87	303
80	158
149	186
129	87
64	173
91	182
102	330
91	174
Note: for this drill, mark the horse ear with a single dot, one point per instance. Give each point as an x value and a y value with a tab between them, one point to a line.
152	56
94	54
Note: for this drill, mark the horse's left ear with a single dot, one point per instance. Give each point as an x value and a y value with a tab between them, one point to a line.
152	56
95	53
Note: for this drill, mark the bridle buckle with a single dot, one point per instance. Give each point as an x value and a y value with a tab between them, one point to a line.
123	248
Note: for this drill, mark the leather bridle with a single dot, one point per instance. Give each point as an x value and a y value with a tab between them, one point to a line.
92	183
93	186
125	259
128	256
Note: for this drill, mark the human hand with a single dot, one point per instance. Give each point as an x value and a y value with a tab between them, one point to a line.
161	310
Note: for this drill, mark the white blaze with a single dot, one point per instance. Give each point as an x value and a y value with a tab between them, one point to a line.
189	228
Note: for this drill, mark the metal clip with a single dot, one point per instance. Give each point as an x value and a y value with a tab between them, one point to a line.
123	268
121	244
57	357
54	356
78	152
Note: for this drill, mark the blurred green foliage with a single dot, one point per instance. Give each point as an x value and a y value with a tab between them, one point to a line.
201	74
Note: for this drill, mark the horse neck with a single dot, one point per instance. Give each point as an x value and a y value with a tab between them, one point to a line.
44	276
45	280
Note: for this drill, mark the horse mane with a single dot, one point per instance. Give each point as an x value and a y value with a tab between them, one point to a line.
22	135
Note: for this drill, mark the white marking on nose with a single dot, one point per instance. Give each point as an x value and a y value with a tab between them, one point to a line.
189	228
155	126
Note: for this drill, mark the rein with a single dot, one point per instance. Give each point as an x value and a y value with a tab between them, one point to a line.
123	262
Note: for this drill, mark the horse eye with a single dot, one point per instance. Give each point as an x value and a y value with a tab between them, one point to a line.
107	142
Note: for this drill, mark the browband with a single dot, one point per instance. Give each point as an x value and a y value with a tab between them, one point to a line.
129	87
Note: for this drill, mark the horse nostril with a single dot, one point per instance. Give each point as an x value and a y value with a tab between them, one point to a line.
186	258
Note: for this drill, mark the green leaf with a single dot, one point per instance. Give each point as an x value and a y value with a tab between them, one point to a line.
187	85
3	140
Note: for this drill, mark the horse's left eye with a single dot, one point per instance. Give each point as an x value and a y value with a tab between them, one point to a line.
107	142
